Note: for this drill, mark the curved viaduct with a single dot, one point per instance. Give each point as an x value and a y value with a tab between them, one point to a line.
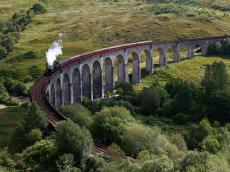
94	73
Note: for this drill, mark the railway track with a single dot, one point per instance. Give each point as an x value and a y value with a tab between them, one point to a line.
38	96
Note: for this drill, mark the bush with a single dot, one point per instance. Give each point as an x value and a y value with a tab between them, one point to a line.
35	119
162	163
178	140
18	140
41	156
150	100
66	163
137	138
38	8
95	163
194	161
219	48
197	133
109	124
8	42
4	96
23	136
15	87
181	118
3	52
70	138
30	55
215	77
78	114
33	136
211	145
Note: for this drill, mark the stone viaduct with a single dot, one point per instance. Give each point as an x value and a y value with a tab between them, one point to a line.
94	73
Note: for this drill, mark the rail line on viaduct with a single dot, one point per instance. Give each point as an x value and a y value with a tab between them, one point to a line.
94	73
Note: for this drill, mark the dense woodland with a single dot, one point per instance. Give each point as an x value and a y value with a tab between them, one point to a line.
179	125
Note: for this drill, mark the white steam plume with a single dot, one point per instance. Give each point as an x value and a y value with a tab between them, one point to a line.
54	51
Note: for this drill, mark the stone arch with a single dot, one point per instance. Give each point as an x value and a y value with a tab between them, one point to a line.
52	95
170	54
146	61
58	93
86	81
97	80
184	50
160	58
76	82
136	71
120	68
66	90
109	78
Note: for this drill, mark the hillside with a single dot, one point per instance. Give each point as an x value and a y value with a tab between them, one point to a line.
96	24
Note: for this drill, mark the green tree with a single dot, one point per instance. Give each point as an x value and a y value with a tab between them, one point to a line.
137	138
8	42
4	96
35	119
197	133
3	52
70	138
215	77
41	156
109	123
66	163
33	136
162	163
38	8
79	114
150	99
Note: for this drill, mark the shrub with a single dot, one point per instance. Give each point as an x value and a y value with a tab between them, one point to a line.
219	48
158	164
211	145
3	52
178	140
35	118
150	100
109	123
137	138
30	55
28	78
15	86
4	96
8	42
197	133
66	163
38	8
180	118
194	161
78	114
41	156
70	138
18	140
33	136
215	76
35	71
95	163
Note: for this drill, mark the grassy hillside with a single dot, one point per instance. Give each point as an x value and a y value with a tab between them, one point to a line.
188	69
102	23
10	118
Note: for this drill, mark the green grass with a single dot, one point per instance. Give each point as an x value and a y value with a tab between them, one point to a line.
95	24
10	119
188	69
